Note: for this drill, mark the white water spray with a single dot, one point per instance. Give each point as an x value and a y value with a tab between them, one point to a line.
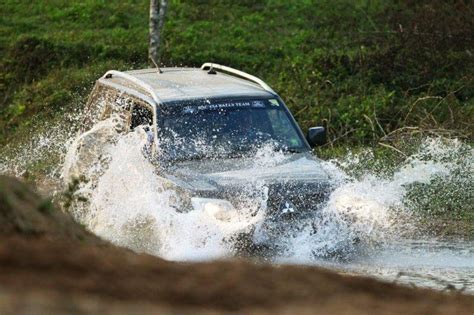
130	205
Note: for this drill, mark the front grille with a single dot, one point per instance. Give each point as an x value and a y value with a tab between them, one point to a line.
303	197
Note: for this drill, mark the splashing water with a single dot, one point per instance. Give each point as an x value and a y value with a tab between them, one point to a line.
130	204
367	214
369	209
43	151
132	208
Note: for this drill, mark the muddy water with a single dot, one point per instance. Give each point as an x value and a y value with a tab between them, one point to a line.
129	206
446	264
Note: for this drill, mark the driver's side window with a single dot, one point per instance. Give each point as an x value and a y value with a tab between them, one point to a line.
141	115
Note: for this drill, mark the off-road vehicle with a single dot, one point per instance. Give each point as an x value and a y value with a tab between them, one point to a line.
206	130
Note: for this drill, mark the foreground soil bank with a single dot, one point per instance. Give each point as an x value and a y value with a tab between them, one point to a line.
60	268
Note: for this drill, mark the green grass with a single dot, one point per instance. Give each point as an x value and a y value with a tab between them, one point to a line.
366	67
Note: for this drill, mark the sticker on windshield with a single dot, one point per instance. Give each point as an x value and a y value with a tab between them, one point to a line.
242	104
274	102
230	105
258	104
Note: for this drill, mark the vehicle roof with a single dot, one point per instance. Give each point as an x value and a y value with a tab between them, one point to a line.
175	84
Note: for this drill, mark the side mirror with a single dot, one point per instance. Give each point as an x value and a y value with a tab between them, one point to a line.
316	136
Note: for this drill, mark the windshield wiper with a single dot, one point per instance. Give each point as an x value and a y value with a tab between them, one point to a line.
289	149
293	150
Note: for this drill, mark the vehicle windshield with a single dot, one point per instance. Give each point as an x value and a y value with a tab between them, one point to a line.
226	128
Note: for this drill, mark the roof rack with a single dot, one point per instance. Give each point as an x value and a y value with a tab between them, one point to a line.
215	66
134	80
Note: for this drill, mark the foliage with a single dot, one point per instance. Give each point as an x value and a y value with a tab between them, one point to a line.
366	67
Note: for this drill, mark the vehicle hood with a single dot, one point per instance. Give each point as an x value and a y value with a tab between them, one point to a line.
212	174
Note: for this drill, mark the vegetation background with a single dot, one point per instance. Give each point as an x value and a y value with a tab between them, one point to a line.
367	67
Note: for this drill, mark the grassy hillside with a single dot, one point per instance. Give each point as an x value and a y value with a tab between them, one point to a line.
368	67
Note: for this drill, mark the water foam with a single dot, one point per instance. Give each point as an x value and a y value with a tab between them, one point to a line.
130	205
132	208
368	210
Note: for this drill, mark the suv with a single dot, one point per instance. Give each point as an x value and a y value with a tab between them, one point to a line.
207	128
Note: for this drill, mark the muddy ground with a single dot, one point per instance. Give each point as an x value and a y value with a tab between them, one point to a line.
50	265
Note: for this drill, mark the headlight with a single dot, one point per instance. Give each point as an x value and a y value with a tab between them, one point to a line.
219	209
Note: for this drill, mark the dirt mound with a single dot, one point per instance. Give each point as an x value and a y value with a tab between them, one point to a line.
56	274
111	276
23	212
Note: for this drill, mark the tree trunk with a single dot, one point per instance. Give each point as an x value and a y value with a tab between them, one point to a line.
157	19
